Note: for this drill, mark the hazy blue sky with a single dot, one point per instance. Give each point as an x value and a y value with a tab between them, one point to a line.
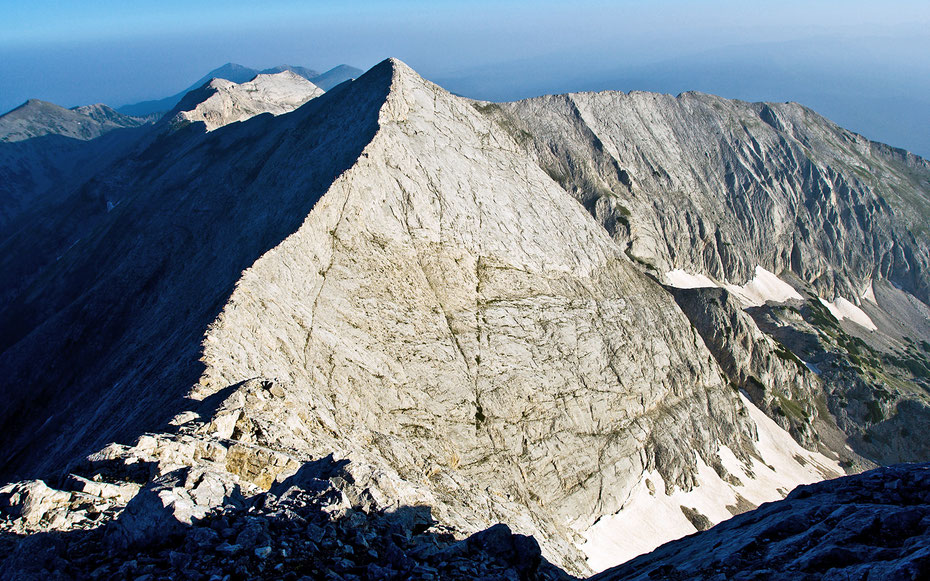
863	65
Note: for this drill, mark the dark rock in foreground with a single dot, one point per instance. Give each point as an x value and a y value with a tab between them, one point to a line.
306	531
874	525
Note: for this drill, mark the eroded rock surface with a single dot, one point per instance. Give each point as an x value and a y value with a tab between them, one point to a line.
703	191
500	326
774	378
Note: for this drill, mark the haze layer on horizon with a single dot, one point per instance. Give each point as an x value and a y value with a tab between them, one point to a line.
864	66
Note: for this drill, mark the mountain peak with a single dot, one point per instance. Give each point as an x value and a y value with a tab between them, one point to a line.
400	73
36	118
32	105
401	68
232	67
283	75
221	102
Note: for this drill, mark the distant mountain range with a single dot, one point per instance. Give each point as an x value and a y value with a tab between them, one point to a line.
221	102
240	74
41	141
36	118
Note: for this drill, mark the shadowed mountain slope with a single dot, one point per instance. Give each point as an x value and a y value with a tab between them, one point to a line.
42	145
113	304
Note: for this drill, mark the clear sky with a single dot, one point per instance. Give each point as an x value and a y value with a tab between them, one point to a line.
863	64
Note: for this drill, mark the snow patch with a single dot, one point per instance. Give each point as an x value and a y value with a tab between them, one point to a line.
764	286
780	451
681	279
650	518
843	309
811	366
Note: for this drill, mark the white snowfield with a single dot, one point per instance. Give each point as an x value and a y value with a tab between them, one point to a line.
764	286
650	518
230	102
679	278
843	309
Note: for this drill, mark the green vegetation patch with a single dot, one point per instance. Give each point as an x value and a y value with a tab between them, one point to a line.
791	408
820	316
874	412
785	354
495	112
488	108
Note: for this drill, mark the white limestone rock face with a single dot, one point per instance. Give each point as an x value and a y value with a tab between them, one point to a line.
172	501
221	102
447	311
32	501
718	187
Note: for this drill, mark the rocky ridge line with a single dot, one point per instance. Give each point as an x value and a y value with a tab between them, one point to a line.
717	187
221	102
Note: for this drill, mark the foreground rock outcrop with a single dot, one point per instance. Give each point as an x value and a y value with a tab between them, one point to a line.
306	530
874	525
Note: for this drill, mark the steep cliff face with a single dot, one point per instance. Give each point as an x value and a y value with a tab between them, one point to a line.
717	187
773	377
775	204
